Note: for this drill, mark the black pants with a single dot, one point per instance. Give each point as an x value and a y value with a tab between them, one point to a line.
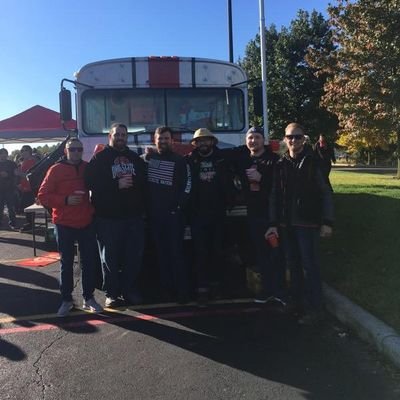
207	236
168	233
269	261
27	199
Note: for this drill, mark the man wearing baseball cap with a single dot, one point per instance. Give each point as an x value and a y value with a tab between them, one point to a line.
254	164
207	208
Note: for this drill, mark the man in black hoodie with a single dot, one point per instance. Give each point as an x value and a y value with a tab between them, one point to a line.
211	189
168	188
116	177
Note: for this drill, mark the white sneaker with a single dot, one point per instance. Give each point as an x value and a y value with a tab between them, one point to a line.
92	305
65	308
111	302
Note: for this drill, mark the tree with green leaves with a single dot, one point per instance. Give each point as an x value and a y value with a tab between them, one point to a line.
363	85
293	90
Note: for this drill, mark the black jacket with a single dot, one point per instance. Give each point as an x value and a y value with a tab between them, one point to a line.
300	195
212	184
241	159
101	177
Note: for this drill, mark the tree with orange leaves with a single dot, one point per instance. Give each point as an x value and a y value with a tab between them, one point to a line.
363	85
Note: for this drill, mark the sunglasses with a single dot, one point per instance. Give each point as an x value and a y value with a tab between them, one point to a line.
295	137
74	149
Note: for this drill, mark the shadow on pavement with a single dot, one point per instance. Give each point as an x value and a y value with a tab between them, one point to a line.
25	298
259	343
40	245
11	351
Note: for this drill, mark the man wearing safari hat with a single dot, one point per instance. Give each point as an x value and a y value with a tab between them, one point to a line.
207	207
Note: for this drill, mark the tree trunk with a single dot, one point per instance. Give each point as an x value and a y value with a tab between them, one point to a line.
398	155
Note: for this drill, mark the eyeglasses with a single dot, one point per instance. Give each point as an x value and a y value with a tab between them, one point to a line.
294	137
75	149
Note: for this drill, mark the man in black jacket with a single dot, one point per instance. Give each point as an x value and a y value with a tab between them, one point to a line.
211	187
301	204
168	188
116	177
254	163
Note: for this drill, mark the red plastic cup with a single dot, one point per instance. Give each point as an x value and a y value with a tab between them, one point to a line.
272	240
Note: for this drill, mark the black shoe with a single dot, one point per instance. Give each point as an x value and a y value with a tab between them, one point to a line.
133	298
260	299
311	319
276	301
202	299
183	299
12	226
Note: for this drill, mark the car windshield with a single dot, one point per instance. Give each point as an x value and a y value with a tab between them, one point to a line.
142	110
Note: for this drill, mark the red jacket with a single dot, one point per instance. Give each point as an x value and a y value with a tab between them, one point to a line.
62	180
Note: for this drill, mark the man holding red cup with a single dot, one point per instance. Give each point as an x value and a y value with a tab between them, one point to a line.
63	190
301	205
254	163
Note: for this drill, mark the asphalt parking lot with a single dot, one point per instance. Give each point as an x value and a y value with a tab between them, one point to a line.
233	349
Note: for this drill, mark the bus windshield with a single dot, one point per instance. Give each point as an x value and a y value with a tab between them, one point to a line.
142	110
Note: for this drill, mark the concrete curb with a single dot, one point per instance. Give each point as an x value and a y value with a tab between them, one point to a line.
368	327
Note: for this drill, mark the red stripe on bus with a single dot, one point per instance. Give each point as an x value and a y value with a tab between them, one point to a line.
163	72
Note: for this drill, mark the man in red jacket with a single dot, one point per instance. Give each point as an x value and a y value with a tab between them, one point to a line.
63	189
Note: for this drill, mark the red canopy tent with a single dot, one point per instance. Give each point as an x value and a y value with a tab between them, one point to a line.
36	124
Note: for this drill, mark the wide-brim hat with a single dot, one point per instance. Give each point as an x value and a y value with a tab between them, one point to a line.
203	132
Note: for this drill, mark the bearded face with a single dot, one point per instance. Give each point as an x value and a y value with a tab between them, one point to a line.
204	145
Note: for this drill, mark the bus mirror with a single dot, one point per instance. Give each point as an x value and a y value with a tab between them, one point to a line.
65	105
258	101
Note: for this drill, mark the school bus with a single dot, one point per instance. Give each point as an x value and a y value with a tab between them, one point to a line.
184	93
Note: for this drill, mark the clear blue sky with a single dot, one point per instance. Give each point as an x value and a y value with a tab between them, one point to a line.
43	41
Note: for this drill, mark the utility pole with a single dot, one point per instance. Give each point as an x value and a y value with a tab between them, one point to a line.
230	34
264	69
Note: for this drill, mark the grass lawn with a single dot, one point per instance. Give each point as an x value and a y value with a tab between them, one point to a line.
362	258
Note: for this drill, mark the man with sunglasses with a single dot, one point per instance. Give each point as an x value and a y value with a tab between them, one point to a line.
63	190
301	205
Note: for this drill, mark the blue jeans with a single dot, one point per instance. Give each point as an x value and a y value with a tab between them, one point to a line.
168	233
86	238
121	243
301	250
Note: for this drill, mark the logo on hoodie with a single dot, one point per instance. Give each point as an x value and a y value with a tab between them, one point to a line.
122	166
